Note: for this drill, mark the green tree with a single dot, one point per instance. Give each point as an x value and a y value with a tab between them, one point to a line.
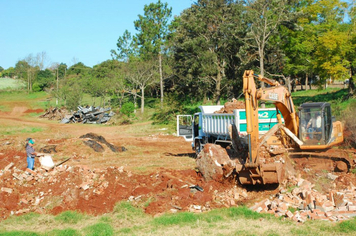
78	69
141	74
264	18
332	42
44	79
21	69
299	42
208	46
152	34
105	79
351	55
9	72
125	47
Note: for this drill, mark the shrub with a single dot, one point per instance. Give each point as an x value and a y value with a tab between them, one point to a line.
128	109
168	113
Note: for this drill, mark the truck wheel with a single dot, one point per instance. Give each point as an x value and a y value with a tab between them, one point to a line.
198	146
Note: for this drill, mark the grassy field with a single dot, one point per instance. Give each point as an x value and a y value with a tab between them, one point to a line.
128	220
13	84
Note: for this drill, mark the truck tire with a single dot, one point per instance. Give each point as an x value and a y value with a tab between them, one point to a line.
198	146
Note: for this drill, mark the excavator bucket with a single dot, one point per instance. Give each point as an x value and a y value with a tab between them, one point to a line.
214	163
272	173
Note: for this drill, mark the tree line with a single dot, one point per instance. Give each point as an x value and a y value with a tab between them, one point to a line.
201	54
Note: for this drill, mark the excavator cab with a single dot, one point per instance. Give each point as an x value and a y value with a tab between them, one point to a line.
315	123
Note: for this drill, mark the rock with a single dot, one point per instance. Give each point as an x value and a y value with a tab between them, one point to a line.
211	161
331	176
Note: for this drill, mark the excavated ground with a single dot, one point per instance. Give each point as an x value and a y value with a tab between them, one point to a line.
155	172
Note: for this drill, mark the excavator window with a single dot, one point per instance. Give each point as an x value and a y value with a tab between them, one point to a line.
315	123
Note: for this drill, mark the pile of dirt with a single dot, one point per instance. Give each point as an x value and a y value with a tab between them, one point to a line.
93	139
34	111
96	191
229	107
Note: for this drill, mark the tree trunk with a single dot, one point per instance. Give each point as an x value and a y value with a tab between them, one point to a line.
306	82
262	66
262	69
160	77
289	84
351	87
135	101
143	99
218	86
28	81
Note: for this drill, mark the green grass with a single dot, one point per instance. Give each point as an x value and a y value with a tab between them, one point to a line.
99	229
19	130
63	232
69	217
226	221
22	219
177	219
19	233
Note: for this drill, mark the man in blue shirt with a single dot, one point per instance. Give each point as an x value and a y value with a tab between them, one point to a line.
31	154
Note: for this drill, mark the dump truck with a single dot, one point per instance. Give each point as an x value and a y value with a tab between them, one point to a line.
209	126
295	135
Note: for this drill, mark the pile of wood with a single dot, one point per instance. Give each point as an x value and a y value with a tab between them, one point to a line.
55	113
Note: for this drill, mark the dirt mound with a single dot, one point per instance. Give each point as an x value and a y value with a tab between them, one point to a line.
94	138
229	107
33	111
96	191
94	145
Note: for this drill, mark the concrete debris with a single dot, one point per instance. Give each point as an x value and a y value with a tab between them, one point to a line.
89	115
308	203
8	190
8	167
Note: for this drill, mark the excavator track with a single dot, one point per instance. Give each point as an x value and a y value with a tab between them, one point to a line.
336	160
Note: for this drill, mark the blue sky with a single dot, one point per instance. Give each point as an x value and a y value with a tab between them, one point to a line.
68	31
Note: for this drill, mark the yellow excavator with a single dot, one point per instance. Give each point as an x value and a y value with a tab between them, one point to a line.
309	132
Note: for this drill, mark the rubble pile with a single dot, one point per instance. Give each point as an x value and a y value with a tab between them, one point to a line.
229	107
310	204
70	184
96	191
54	113
89	115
